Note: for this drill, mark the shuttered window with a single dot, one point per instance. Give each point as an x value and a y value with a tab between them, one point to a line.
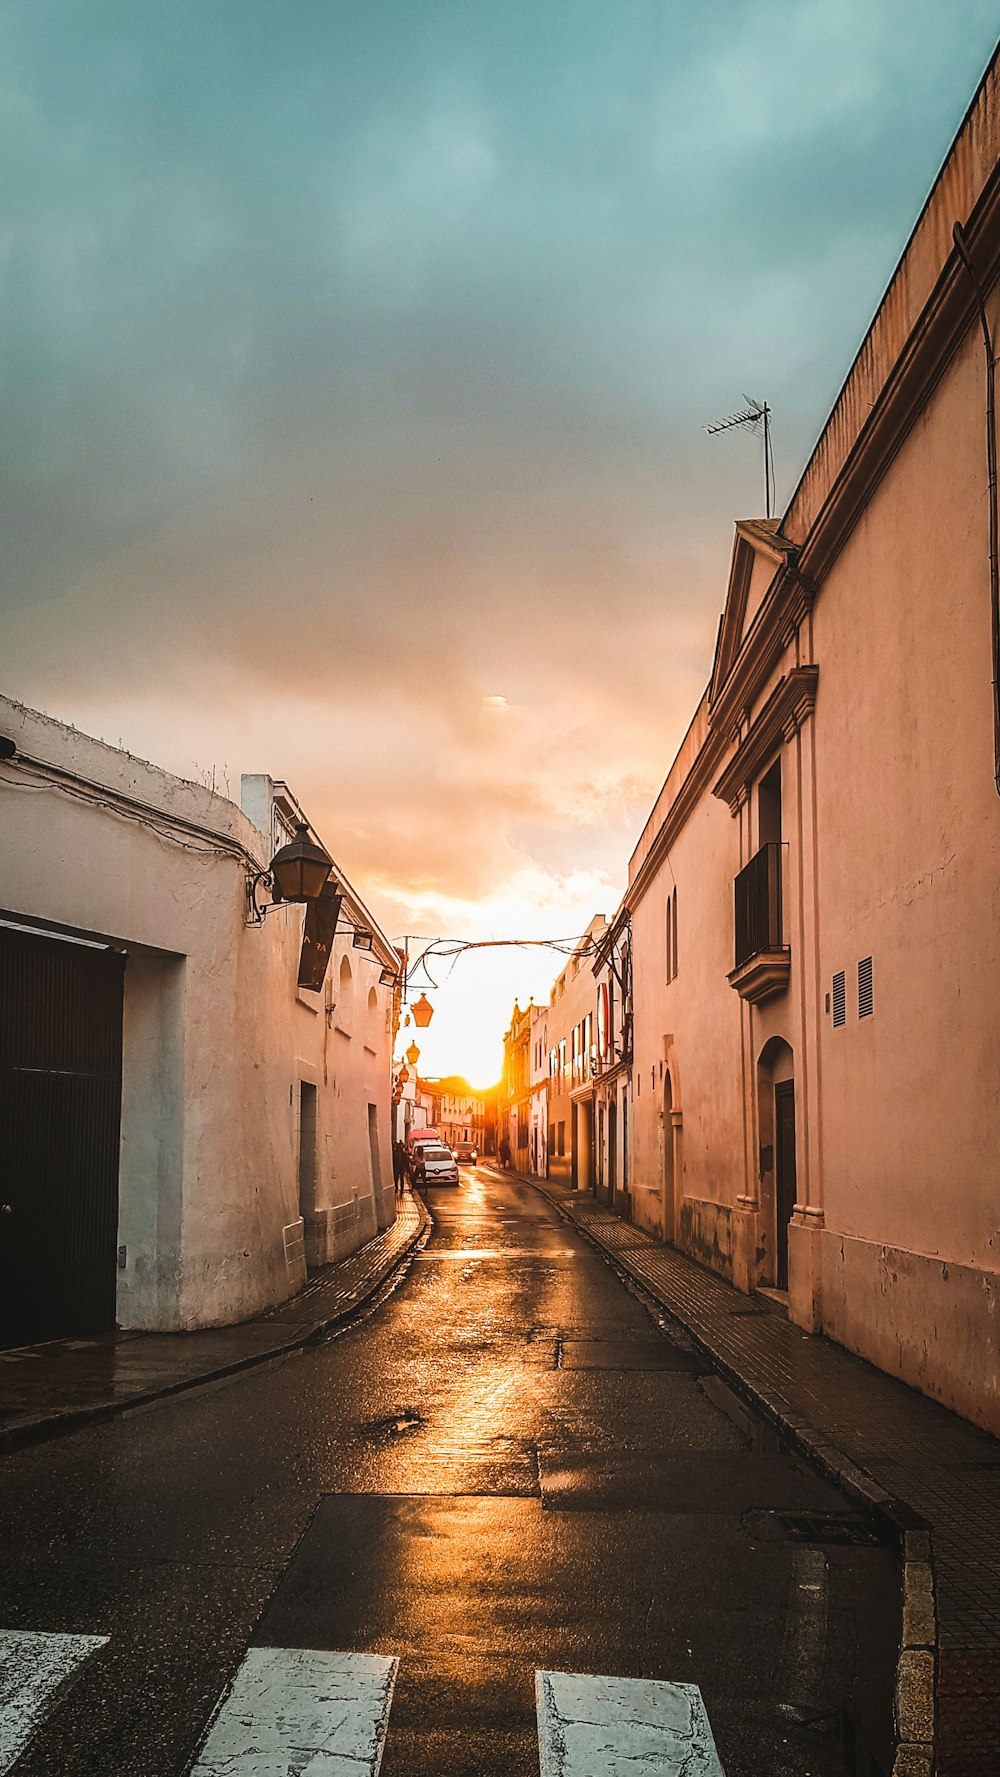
839	998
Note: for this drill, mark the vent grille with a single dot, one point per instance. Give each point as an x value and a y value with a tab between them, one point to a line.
839	998
865	1001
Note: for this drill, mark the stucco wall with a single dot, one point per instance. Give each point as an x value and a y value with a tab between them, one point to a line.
216	1039
690	1028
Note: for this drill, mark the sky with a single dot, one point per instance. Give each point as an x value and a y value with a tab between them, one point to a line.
355	368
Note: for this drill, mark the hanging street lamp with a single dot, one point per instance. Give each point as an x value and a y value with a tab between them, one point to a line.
422	1011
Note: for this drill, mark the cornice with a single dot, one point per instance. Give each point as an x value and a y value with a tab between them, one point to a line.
753	537
790	704
947	317
788	601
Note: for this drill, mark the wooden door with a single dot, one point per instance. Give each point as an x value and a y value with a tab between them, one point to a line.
784	1130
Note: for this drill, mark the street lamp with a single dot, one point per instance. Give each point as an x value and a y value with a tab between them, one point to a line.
300	870
413	1055
423	1012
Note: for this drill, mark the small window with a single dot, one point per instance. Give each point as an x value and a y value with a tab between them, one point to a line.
552	1138
865	988
561	1146
671	934
839	998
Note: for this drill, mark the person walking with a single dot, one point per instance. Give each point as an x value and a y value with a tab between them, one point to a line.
399	1169
504	1152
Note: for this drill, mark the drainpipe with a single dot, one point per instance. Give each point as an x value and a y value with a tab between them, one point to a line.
958	235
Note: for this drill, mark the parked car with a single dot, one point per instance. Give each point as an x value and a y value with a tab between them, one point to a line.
467	1153
434	1164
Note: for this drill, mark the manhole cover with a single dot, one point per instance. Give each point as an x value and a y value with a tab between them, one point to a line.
832	1529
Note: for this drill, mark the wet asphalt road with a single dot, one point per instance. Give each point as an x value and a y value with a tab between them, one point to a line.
506	1465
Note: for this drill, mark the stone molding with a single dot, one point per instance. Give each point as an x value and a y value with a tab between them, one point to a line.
790	704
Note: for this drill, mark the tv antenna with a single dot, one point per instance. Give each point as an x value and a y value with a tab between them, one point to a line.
755	414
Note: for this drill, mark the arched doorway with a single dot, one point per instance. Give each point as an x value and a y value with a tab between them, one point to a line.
776	1135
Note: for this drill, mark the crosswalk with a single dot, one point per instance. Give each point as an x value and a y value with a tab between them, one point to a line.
311	1710
34	1669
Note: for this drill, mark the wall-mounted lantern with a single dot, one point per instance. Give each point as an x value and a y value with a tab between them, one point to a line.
300	869
387	978
362	939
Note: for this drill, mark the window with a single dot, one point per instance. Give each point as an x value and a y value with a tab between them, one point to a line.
552	1138
561	1146
769	807
671	933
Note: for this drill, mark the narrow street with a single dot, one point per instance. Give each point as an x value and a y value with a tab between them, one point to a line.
506	1466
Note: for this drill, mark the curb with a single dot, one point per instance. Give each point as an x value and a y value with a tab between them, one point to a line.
57	1425
916	1664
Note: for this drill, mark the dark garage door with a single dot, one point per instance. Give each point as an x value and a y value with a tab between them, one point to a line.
60	1104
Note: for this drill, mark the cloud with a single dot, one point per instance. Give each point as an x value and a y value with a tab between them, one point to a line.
355	368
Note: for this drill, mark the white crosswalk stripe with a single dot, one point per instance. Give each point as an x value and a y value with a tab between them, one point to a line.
620	1727
297	1709
326	1714
34	1667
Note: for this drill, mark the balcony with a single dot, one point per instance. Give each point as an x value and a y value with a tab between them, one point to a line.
763	963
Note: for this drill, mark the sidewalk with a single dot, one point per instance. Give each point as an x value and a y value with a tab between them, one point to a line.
46	1390
931	1478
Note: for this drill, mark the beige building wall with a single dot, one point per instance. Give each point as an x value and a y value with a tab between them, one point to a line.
856	650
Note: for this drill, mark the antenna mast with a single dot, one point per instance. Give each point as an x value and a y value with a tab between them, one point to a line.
754	414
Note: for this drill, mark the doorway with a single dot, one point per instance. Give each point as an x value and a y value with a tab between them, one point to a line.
307	1148
776	1163
612	1150
60	1118
784	1145
667	1137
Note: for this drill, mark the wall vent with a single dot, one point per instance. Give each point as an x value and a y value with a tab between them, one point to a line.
839	998
865	1000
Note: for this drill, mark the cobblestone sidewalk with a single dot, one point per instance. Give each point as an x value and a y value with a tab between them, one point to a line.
49	1389
910	1460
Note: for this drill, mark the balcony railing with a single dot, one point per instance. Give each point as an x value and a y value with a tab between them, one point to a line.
757	894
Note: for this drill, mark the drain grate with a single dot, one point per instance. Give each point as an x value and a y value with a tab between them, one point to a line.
828	1529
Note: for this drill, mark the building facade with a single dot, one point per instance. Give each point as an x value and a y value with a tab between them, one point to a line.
514	1098
813	901
572	1037
459	1114
539	1084
185	1128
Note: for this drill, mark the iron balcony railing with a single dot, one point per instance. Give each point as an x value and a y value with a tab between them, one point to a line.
757	896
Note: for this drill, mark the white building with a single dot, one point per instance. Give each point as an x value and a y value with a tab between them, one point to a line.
538	1078
182	1127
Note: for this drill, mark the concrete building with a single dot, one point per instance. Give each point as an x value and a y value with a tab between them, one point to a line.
572	1031
813	901
185	1129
